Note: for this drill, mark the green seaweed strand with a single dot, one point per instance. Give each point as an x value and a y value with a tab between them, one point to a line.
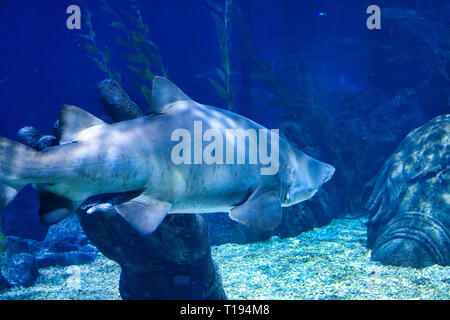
144	60
222	16
101	58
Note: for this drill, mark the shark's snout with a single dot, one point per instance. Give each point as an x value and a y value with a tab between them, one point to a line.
328	172
320	172
310	175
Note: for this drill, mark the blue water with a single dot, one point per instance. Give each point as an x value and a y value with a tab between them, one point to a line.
341	92
42	67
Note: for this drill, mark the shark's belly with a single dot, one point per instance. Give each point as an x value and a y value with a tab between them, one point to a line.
207	188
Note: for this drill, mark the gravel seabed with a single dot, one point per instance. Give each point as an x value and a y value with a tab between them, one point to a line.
326	263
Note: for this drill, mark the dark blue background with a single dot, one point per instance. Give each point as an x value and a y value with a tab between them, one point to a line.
47	68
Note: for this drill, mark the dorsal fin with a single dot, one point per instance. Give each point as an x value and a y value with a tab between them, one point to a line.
73	120
164	92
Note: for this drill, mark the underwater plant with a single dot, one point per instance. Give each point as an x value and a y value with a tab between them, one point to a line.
222	15
144	60
101	58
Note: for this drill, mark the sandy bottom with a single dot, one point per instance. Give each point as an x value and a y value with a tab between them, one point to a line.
326	263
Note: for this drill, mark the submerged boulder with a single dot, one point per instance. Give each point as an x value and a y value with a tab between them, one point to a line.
16	245
116	102
48	259
66	235
409	207
3	283
45	142
21	270
66	252
21	217
174	262
29	136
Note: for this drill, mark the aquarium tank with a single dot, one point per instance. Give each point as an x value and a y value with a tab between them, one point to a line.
224	150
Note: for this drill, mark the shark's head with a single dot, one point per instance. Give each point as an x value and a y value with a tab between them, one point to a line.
304	176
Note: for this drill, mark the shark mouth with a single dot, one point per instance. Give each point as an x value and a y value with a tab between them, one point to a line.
413	239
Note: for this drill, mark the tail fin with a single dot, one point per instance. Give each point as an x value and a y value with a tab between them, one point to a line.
13	172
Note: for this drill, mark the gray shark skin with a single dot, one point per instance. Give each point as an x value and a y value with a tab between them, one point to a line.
133	159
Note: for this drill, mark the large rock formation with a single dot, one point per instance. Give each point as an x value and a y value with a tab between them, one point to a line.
23	258
409	206
20	270
116	102
172	263
21	217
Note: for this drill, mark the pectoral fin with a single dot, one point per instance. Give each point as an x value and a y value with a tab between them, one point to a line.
107	201
262	210
144	213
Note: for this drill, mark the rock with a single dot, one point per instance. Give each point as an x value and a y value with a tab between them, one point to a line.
28	136
297	219
21	217
224	230
45	142
16	245
3	283
47	259
116	102
172	263
66	235
66	245
409	206
21	270
89	249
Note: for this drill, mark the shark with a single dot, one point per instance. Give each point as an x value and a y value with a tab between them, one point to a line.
126	167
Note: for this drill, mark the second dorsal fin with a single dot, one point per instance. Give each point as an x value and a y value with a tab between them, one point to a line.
164	92
73	120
